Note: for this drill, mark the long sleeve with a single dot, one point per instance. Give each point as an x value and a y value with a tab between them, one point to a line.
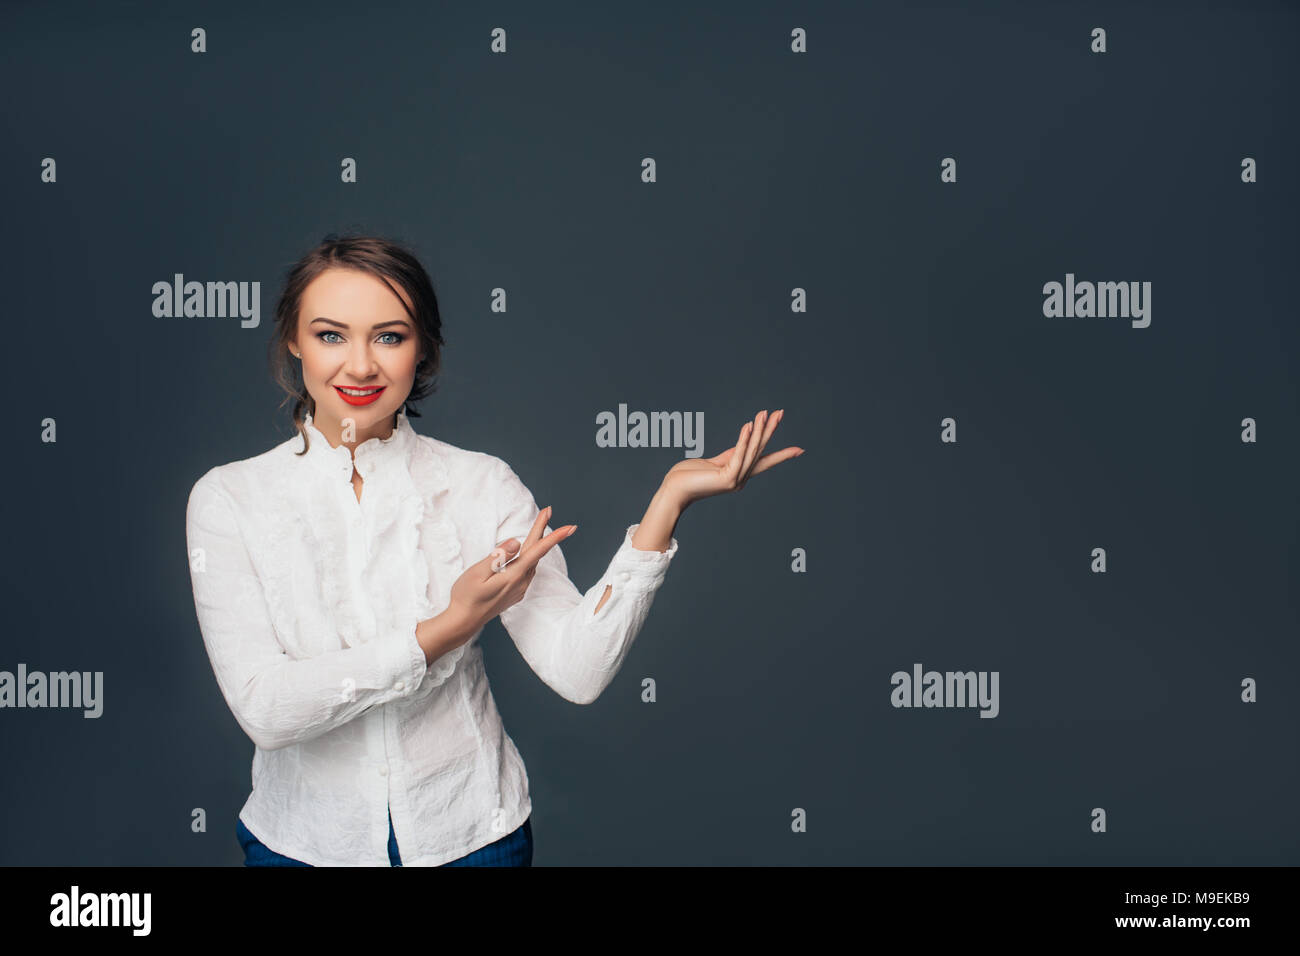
573	648
277	700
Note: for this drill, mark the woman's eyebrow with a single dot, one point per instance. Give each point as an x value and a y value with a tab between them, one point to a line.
377	325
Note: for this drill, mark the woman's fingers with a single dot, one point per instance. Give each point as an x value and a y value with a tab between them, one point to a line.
501	556
756	440
529	557
745	461
772	422
539	525
504	554
738	454
775	458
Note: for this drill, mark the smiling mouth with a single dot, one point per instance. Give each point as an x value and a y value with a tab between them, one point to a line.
360	396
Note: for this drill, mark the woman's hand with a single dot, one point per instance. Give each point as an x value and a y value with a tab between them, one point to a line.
696	478
480	593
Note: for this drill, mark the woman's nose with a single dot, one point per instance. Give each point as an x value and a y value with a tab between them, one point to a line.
361	363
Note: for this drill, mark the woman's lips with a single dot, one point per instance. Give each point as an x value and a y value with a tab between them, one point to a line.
360	399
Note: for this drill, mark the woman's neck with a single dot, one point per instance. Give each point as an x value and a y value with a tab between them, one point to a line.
335	434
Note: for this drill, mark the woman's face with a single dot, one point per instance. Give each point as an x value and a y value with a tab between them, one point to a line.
353	333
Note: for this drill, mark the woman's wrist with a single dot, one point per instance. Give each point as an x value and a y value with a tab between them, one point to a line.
443	632
656	527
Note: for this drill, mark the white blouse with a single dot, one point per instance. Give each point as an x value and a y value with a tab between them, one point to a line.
308	599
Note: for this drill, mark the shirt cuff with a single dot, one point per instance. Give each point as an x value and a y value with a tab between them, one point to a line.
404	661
637	569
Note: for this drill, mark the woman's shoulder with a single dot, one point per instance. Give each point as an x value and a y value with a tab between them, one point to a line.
464	464
238	479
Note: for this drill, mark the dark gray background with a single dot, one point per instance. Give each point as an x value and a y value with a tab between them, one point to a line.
775	170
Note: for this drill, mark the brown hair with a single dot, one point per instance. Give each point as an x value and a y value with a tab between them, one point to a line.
390	262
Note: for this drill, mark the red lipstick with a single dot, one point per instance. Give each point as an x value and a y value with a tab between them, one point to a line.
366	399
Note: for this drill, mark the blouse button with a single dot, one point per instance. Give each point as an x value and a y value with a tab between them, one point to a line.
624	576
383	771
400	685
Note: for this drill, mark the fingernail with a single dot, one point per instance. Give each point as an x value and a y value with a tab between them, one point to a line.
575	528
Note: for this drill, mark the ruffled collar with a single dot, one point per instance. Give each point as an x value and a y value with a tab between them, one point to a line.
411	536
371	456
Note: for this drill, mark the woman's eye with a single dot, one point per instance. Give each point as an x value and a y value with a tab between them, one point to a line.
397	339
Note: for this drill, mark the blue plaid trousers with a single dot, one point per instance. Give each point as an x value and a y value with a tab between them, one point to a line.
513	849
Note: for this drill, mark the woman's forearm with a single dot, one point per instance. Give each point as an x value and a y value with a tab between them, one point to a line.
655	533
443	633
656	530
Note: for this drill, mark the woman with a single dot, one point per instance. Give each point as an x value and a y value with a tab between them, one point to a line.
342	578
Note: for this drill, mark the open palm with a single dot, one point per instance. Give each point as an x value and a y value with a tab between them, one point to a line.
696	478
